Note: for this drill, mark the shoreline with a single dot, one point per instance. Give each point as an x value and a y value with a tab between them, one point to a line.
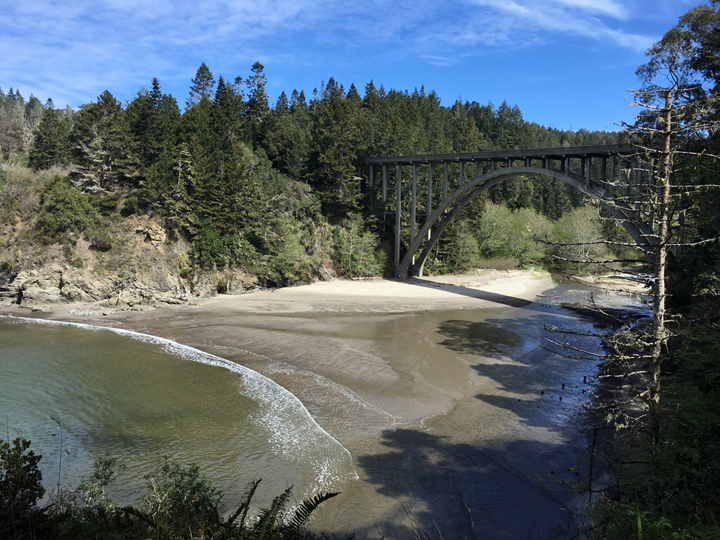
288	312
476	406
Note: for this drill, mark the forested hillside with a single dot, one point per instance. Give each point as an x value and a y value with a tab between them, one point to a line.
226	181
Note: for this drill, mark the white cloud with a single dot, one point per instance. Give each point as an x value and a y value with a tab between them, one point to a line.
527	19
80	48
607	7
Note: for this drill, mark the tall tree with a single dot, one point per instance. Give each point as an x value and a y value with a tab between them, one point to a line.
102	147
51	145
257	103
12	112
202	86
678	121
337	141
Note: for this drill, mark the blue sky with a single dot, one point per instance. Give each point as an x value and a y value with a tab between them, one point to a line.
565	63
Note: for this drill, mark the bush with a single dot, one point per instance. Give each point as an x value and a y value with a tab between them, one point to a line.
64	213
221	250
357	251
505	233
181	504
181	498
20	489
580	231
130	206
18	191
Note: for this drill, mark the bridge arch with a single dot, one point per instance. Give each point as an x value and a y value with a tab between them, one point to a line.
429	233
621	195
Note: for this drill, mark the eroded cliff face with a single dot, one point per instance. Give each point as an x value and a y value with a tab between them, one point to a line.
141	270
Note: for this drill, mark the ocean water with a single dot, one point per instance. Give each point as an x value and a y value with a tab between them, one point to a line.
110	391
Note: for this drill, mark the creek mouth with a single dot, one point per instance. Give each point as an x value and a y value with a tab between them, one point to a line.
453	417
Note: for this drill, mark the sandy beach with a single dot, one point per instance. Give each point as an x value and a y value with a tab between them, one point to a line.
461	425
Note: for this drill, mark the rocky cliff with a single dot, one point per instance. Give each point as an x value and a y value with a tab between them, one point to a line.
143	269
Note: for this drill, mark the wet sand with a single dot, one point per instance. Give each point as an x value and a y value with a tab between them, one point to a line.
439	387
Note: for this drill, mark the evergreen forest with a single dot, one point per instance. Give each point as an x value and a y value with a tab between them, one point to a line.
268	188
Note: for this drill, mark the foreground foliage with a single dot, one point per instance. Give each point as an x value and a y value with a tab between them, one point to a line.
180	503
668	486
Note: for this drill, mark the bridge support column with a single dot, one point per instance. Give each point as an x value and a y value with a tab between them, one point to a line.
398	208
371	175
428	209
413	202
445	180
384	184
587	166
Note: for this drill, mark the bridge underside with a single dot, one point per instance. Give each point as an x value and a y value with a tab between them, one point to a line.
421	201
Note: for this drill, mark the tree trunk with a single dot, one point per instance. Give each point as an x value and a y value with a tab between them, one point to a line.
659	334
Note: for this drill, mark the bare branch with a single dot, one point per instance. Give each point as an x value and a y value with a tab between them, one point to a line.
573	348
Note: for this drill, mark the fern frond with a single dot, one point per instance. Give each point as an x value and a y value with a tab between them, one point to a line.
240	515
270	518
161	532
307	507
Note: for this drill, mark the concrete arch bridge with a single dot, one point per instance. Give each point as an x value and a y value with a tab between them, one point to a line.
422	194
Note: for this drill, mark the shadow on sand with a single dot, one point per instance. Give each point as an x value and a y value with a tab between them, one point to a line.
518	478
501	490
497	298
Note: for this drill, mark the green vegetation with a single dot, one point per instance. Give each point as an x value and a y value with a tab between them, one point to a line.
664	452
20	489
180	503
269	189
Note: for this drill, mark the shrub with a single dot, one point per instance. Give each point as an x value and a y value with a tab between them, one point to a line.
357	252
577	235
181	498
20	489
64	213
130	206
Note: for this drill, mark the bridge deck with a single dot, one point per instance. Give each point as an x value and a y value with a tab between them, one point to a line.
502	155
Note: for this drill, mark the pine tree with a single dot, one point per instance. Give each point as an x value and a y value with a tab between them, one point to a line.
257	103
102	147
155	93
337	140
51	145
202	86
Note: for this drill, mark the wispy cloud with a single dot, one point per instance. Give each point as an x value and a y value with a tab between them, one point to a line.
74	50
606	7
523	20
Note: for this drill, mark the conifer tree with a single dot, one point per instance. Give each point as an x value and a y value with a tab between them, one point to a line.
202	86
337	140
102	147
257	103
51	145
155	93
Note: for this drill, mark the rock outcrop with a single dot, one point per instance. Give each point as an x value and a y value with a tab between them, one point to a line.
56	284
149	271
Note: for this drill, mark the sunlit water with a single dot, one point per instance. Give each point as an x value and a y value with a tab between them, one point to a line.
141	398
